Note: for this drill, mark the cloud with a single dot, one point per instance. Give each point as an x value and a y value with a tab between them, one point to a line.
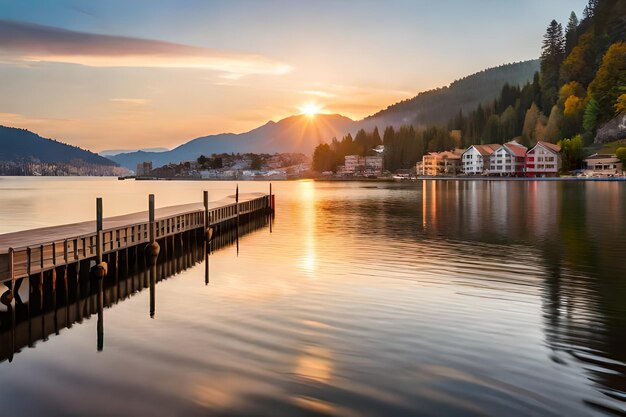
29	42
135	101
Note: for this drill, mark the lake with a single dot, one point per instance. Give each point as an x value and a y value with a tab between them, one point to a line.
365	299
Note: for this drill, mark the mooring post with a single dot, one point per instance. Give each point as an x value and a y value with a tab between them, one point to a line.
268	207
237	211
12	262
100	269
237	202
152	253
206	210
151	216
99	229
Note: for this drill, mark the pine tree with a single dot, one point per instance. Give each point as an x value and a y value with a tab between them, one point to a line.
570	32
552	55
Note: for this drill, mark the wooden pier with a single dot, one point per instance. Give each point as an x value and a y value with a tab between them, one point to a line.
31	252
41	309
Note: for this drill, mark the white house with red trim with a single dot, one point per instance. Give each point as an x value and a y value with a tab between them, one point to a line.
475	159
543	160
508	160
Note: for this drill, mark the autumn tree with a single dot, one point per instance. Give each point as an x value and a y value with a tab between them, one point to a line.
552	131
530	120
571	152
620	105
605	87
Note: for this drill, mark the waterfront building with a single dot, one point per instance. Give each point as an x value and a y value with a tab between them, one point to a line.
603	164
373	165
360	165
353	164
475	159
509	159
274	162
543	160
441	163
144	169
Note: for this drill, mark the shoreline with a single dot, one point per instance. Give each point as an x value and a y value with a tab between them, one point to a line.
330	179
443	178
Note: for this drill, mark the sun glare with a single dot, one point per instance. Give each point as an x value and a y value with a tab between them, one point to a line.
310	109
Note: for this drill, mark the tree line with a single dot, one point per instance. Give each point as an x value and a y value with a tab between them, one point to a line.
580	86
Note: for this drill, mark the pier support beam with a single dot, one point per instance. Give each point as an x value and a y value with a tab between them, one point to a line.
7	296
152	254
100	270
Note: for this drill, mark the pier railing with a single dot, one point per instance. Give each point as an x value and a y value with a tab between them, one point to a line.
31	255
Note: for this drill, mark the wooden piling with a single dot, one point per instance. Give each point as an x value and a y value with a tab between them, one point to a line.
152	253
99	229
206	210
151	216
237	201
12	267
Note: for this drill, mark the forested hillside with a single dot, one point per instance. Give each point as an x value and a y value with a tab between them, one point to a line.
25	153
438	105
580	85
23	145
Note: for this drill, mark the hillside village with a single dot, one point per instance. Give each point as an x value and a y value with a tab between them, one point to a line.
510	159
231	167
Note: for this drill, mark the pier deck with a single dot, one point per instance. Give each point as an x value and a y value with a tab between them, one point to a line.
32	251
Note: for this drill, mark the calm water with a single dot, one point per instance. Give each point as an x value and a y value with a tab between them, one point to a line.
434	298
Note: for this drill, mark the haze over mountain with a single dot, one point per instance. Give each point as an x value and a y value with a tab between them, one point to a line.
302	133
21	145
440	105
109	152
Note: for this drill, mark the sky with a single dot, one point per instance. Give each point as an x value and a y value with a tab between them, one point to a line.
131	74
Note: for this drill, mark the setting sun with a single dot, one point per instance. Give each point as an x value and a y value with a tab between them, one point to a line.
310	109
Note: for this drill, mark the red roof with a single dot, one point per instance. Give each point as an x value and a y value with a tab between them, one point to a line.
486	150
516	149
550	146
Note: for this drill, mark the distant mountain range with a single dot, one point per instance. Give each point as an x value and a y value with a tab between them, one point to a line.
294	134
21	145
302	133
110	152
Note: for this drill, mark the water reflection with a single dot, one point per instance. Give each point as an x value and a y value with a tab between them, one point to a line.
566	239
430	298
41	310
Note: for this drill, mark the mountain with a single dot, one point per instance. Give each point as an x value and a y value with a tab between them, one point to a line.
303	133
110	152
21	145
440	105
294	134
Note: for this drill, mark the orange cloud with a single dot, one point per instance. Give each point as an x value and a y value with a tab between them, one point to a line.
36	43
